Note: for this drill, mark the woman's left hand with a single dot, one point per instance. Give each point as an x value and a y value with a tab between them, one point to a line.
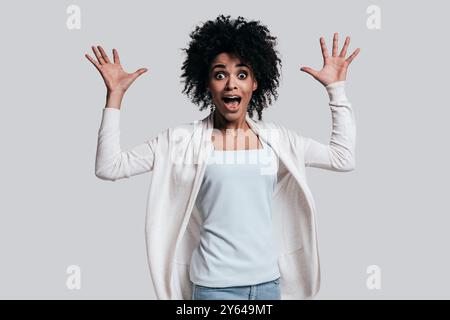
334	67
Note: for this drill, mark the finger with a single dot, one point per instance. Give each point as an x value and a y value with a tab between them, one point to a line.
95	63
98	55
323	46
335	44
140	71
116	56
310	71
344	48
104	55
353	55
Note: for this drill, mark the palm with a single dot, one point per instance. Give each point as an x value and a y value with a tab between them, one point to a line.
334	66
116	79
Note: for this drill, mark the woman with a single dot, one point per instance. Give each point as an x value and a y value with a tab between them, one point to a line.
244	239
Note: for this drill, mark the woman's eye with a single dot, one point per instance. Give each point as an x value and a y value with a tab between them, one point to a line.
239	75
244	73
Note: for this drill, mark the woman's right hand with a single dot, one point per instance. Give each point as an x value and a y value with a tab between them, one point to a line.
116	79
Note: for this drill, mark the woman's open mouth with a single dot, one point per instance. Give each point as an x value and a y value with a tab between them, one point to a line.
232	102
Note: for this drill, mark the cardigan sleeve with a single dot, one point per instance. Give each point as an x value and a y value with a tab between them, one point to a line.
339	153
111	163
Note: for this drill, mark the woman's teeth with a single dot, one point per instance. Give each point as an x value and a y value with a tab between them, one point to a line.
232	102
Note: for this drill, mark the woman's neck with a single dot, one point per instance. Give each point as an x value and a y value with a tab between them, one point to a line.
222	124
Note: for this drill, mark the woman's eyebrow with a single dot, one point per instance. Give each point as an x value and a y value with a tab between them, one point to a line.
223	66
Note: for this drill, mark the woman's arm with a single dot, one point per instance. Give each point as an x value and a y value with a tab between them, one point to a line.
111	162
339	154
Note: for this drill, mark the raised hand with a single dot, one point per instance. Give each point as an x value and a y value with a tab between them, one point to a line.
334	67
116	79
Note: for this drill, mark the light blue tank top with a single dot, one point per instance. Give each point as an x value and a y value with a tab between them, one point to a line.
237	245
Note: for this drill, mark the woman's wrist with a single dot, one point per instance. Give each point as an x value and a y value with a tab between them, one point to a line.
114	99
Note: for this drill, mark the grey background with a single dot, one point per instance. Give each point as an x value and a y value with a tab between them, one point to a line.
391	211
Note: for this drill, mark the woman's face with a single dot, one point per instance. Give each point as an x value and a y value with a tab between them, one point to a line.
229	77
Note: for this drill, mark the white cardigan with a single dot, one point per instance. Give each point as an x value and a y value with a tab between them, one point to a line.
176	157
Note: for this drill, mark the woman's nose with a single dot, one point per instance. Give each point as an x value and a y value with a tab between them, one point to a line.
231	83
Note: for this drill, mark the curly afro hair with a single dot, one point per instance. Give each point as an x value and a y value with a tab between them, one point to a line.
250	41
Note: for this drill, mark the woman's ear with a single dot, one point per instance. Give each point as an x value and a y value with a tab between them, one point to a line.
255	85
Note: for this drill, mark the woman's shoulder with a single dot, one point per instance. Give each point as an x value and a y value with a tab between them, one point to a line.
271	125
180	133
281	131
181	127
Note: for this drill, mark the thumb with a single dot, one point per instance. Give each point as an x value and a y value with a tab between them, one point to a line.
310	71
140	71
